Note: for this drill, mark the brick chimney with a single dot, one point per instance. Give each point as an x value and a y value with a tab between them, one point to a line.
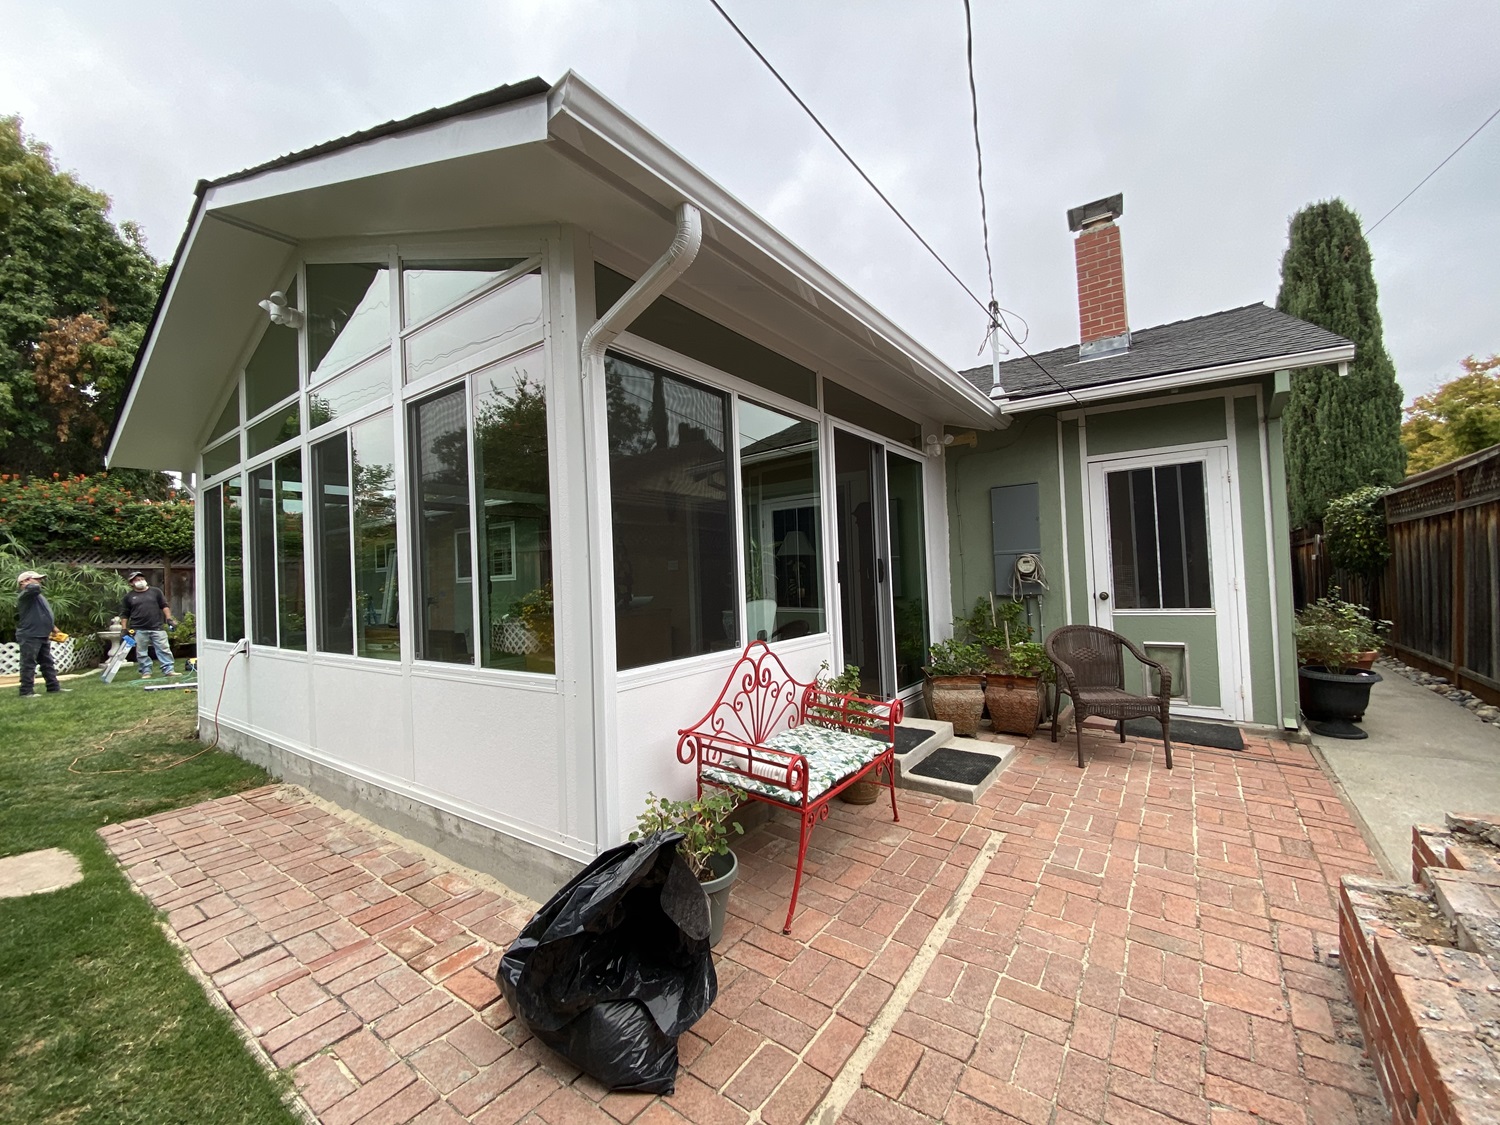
1103	328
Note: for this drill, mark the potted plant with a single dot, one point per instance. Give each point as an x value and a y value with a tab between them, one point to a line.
955	674
847	683
1014	693
704	826
1333	638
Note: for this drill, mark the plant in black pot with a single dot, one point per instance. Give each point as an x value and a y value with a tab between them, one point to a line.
1332	638
705	826
955	674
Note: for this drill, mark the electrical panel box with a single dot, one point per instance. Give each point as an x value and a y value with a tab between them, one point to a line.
1016	530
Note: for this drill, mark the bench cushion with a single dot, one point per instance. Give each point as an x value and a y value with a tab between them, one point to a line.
831	755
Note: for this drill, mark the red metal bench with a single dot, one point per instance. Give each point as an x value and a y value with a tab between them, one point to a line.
790	744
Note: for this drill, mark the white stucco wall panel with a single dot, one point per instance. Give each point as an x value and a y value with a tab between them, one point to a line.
212	656
279	692
360	718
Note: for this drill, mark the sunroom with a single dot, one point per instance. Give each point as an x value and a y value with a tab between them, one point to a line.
509	430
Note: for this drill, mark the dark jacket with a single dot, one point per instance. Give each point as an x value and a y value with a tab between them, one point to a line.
33	615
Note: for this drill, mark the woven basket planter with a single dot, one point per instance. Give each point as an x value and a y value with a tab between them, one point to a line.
958	700
1015	703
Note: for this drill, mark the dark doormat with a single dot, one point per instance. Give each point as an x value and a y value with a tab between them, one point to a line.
909	738
1335	728
947	763
1222	736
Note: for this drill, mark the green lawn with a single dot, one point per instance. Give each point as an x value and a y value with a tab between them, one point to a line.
99	1021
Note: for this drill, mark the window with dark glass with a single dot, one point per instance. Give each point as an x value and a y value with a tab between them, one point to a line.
908	566
262	556
229	419
271	373
333	569
1158	537
213	563
348	315
673	520
783	524
290	582
234	574
440	485
377	630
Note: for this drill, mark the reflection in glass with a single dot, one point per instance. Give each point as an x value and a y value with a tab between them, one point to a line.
271	374
908	567
440	463
675	587
273	429
213	564
222	457
234	576
506	313
348	315
377	622
430	287
856	464
291	587
515	548
227	420
351	391
783	524
262	557
333	589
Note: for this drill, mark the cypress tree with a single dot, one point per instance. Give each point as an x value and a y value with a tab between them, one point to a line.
1341	433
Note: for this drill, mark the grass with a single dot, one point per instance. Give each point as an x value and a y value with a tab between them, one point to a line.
99	1020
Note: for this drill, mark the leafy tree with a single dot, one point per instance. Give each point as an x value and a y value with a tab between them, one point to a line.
75	295
54	516
1341	433
1460	417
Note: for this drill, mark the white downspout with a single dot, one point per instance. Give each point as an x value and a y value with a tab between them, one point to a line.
655	281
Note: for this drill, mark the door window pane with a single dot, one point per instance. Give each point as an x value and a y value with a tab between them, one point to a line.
675	584
262	557
378	630
908	567
366	384
291	586
496	317
783	524
213	564
440	481
331	522
234	577
1158	537
515	525
274	429
429	287
222	457
348	315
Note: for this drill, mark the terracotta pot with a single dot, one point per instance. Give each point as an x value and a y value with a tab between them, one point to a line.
861	793
958	700
1366	660
1015	703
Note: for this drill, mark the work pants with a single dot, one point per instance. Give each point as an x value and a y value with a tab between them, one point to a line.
36	652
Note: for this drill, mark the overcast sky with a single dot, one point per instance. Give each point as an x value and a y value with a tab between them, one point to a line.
1216	121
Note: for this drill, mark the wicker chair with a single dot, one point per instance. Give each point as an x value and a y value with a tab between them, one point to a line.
1091	668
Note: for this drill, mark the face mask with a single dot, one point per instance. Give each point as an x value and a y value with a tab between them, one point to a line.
139	584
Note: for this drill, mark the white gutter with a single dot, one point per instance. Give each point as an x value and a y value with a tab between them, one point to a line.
653	283
1340	355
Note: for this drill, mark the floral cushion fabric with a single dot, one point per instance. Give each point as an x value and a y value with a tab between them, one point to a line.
831	755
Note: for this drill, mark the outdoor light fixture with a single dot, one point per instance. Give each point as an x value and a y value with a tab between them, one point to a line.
936	443
280	312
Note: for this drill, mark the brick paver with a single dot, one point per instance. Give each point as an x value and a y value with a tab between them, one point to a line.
1119	943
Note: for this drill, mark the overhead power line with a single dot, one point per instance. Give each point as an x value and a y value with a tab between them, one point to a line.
1434	172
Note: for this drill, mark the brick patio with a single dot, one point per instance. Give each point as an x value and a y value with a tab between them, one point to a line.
1117	944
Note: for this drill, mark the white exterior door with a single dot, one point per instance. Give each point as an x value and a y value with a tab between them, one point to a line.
1163	570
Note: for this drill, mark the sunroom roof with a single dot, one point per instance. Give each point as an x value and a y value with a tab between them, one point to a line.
525	155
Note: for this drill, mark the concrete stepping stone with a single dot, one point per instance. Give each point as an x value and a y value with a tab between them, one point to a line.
34	873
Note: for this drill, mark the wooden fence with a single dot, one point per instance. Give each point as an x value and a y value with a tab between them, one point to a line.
1441	589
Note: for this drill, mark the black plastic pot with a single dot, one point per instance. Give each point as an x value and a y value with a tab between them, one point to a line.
1329	695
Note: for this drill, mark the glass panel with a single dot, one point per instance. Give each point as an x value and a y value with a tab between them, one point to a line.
856	466
378	629
428	287
1158	537
229	419
222	457
908	567
262	557
273	429
213	564
1122	541
515	551
1195	535
348	315
1171	547
783	524
271	374
351	391
292	586
333	575
440	461
496	317
675	586
234	575
1143	520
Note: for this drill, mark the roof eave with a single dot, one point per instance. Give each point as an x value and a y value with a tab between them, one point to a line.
1078	396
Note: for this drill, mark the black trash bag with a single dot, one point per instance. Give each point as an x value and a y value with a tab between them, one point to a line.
616	966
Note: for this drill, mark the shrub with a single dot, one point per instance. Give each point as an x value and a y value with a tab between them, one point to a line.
1354	526
68	515
83	598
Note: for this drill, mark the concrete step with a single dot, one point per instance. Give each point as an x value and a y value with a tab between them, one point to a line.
917	738
960	769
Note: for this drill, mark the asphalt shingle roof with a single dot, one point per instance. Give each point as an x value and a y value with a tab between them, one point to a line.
1234	336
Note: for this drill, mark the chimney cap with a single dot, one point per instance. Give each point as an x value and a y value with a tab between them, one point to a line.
1101	210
